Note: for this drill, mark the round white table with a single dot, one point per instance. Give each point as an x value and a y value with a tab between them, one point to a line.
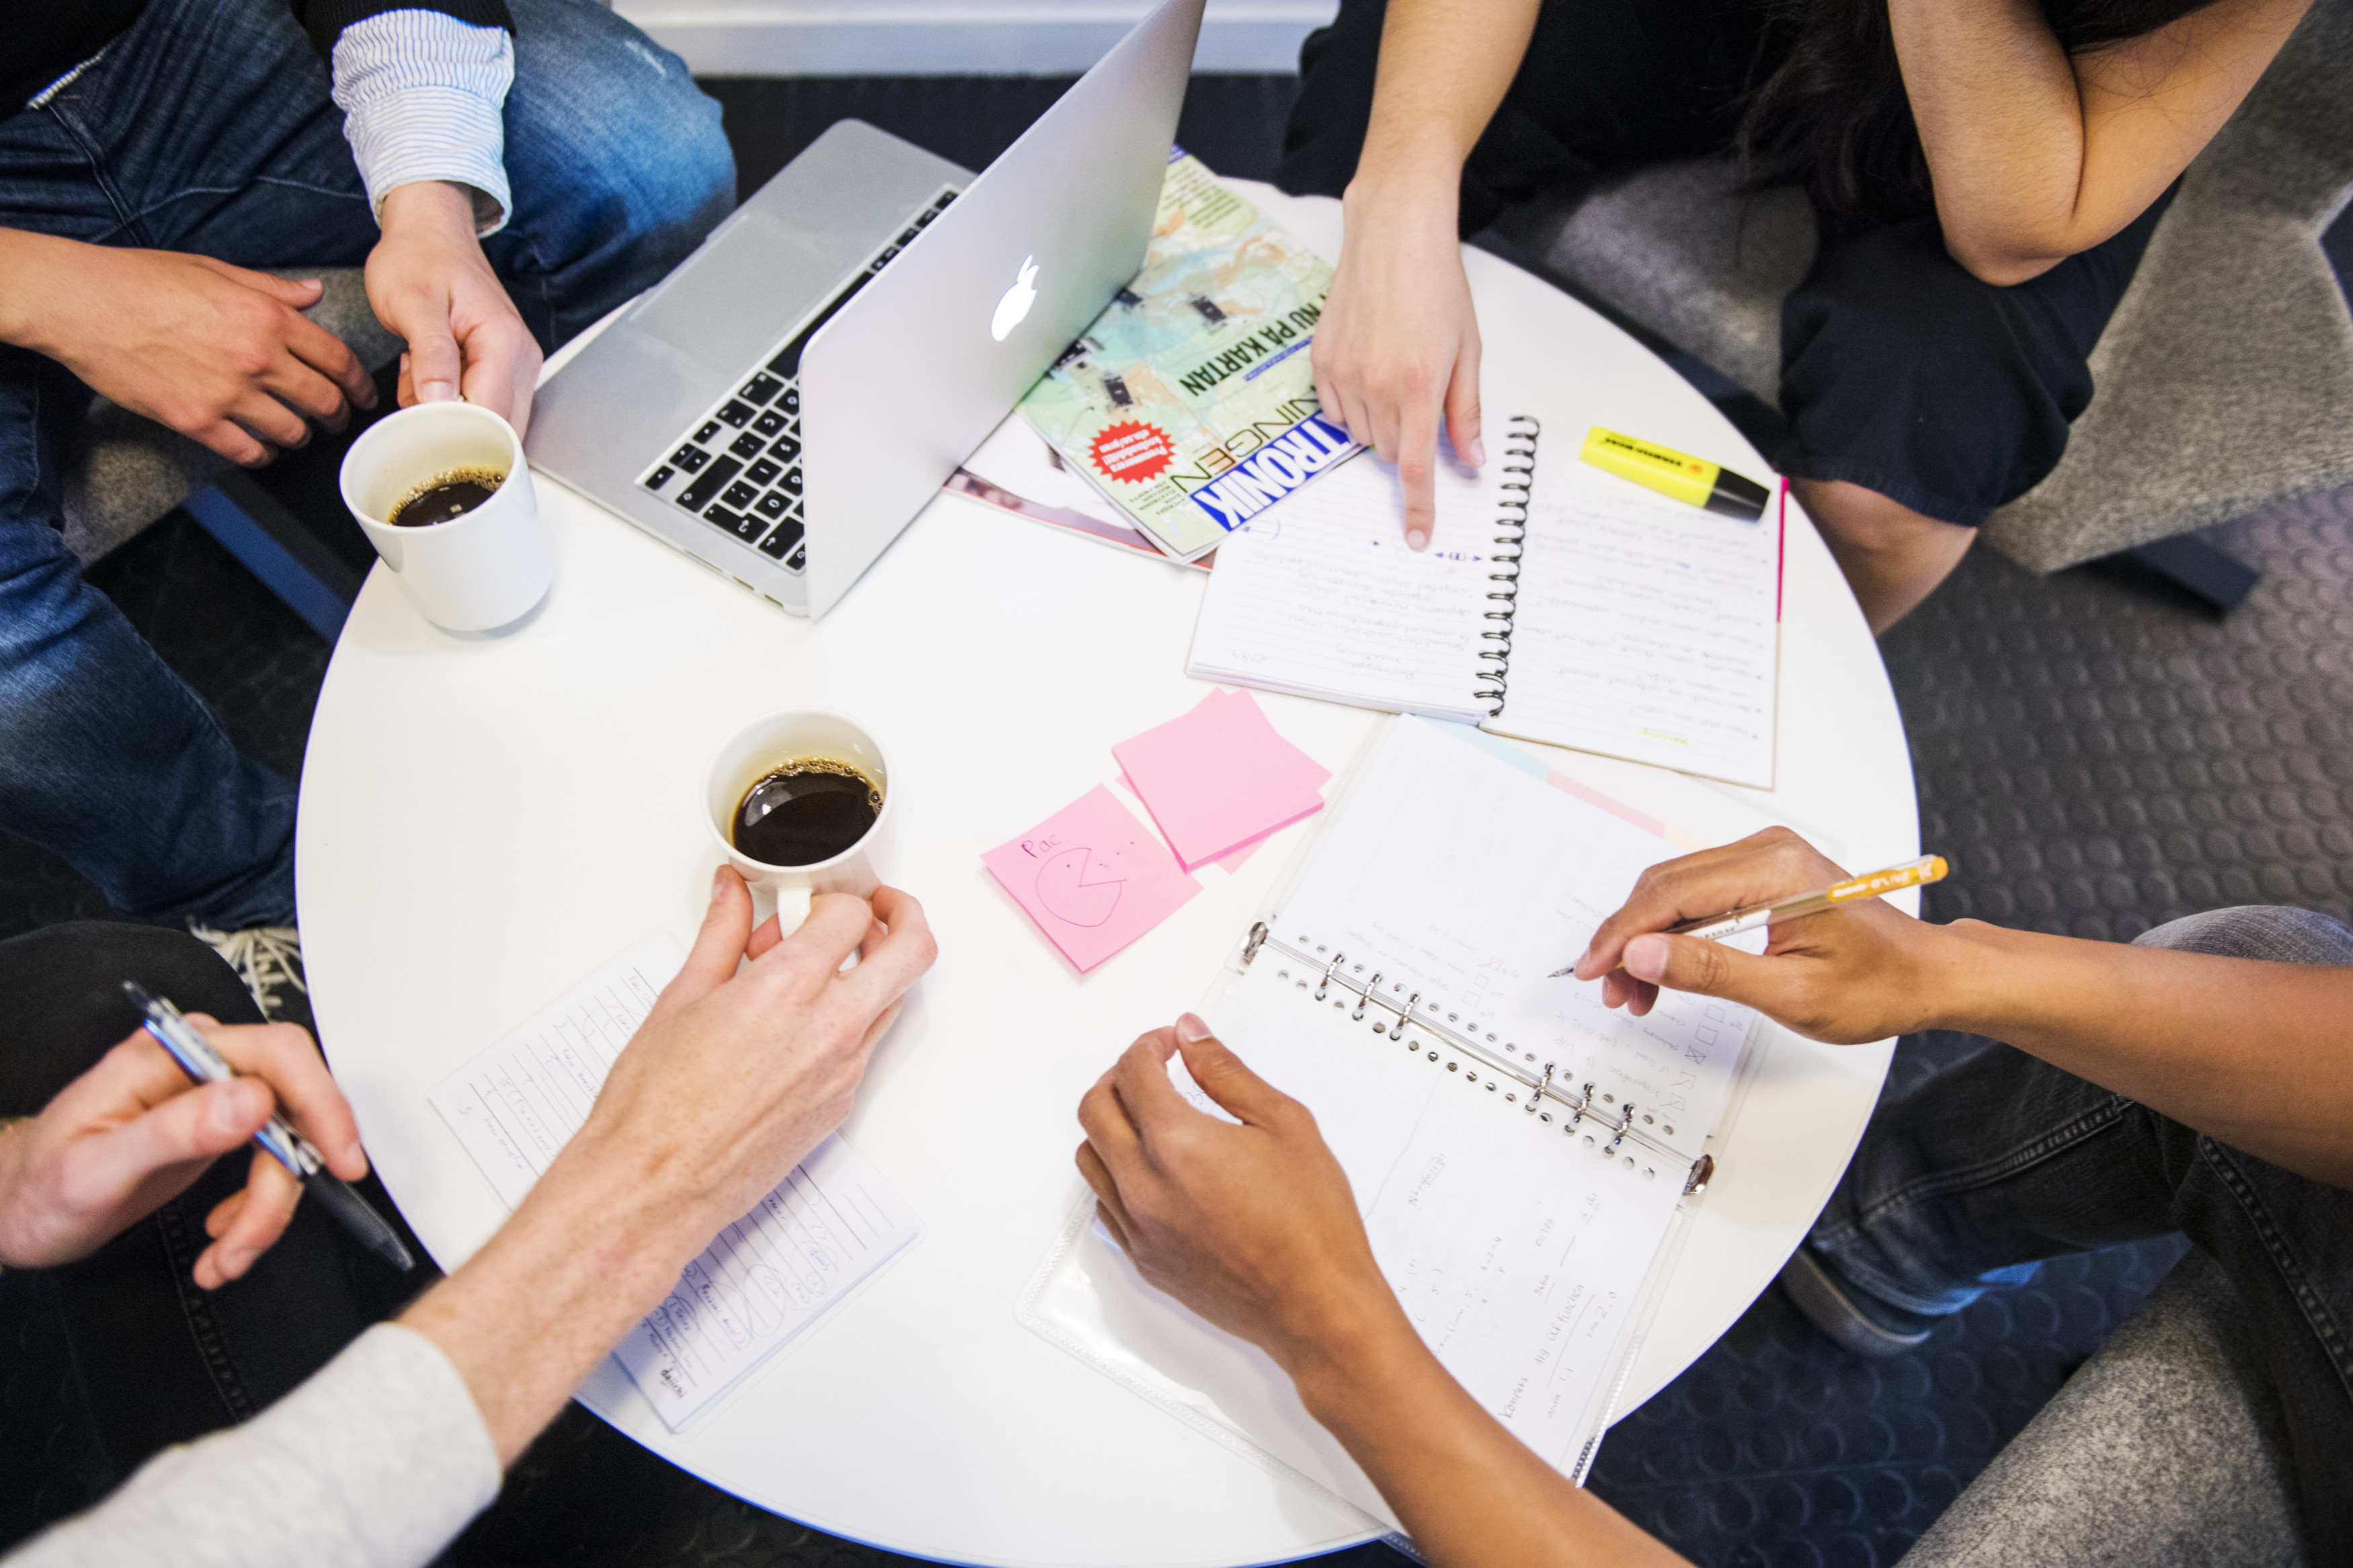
485	819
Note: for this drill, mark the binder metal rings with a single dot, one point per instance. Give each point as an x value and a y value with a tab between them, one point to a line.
1404	1015
1490	1066
1494	680
1325	983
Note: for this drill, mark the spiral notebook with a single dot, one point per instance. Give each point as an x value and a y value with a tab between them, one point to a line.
1522	1157
1558	603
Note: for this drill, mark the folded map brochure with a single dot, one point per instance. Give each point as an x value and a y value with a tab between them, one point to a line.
1189	401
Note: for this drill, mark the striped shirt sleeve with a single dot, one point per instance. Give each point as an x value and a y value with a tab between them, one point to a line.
423	95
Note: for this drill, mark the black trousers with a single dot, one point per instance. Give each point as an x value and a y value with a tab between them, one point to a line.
106	1361
1899	371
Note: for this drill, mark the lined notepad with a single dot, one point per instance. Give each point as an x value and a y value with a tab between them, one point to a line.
1575	609
828	1225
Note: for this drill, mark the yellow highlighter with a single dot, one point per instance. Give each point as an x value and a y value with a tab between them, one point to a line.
1676	474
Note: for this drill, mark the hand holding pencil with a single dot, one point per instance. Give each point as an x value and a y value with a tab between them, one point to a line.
1873	973
1918	873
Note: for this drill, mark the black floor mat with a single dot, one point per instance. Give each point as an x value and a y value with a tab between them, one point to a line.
2096	754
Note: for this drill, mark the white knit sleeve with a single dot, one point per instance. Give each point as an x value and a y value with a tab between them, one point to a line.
376	1462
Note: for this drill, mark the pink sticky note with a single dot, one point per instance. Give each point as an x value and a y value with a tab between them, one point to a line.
1219	776
1092	877
1233	859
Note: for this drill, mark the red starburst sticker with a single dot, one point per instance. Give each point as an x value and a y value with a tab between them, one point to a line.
1132	452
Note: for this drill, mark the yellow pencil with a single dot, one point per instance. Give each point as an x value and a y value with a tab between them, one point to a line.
1894	878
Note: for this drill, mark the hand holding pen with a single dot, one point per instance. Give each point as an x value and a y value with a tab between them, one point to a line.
276	1137
134	1132
1862	977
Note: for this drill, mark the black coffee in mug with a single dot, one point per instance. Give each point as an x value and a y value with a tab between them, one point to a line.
805	811
450	496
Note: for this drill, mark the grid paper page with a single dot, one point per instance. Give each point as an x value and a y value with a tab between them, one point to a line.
1517	1251
828	1225
1320	597
1456	876
1646	629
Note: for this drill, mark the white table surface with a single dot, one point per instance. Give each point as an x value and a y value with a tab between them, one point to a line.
485	819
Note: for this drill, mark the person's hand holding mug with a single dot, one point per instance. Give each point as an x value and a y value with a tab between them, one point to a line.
738	1072
429	281
135	1132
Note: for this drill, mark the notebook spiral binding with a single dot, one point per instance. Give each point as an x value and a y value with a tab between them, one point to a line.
1534	1089
1521	433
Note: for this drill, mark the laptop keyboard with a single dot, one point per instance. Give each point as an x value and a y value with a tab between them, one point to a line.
738	465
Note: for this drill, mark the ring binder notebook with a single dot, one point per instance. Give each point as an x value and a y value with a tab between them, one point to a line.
1526	1161
1603	1121
1587	611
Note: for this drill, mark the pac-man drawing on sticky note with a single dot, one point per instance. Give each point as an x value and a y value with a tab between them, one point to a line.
1092	877
1065	892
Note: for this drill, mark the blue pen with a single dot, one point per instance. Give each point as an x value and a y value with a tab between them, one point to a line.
288	1148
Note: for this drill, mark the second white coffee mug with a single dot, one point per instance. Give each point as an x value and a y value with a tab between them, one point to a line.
479	570
765	744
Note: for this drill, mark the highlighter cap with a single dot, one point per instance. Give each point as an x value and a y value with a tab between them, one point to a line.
1734	496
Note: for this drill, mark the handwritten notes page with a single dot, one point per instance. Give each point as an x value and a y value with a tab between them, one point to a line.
1092	877
1453	874
1321	598
1517	1251
1646	629
1641	628
1518	1255
831	1222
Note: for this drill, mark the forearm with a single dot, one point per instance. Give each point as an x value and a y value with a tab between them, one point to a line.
1467	1491
1445	66
2001	121
590	1251
2036	154
377	1460
2258	1056
30	275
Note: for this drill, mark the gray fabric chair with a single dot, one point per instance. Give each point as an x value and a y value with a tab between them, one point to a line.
126	472
2225	378
2158	1450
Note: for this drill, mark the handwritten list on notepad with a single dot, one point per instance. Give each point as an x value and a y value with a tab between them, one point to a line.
1615	621
828	1225
1321	598
1646	629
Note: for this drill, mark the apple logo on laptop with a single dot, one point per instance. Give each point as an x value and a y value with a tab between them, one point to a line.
1016	301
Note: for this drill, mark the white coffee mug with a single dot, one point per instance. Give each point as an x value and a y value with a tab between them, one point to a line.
477	571
767	743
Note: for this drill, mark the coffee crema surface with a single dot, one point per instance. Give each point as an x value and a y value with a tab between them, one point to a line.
804	811
445	497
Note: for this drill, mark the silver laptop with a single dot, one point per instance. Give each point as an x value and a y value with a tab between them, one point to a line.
782	404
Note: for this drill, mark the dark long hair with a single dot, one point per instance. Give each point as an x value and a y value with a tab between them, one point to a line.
1833	117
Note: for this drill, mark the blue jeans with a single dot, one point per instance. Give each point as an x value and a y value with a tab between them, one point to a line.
1970	1180
208	128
